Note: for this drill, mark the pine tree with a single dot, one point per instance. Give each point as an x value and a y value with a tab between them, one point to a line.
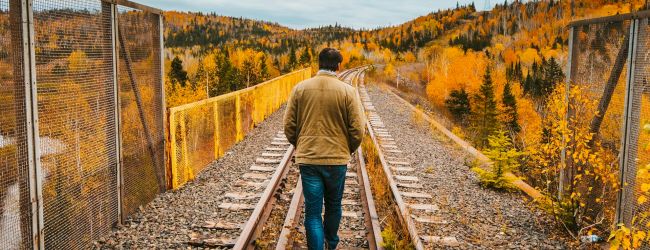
264	69
226	75
305	57
485	111
510	115
458	105
293	61
177	75
553	75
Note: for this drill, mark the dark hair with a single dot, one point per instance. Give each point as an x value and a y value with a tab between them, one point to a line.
329	59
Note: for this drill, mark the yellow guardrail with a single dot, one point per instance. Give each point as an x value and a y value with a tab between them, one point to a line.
203	131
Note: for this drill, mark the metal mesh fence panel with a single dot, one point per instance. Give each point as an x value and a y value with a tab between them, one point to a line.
203	131
635	205
15	208
76	106
141	111
599	66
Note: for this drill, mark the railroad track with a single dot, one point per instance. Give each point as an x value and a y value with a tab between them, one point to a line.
414	204
254	197
249	202
360	224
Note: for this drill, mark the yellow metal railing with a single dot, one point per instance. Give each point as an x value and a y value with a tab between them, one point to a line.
203	131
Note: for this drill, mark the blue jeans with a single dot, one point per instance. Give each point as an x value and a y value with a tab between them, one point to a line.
322	183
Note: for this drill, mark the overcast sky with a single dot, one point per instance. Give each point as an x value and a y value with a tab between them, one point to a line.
313	13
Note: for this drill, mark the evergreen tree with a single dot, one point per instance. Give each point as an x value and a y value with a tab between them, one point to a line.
554	74
177	75
305	57
510	115
485	111
458	105
542	78
226	75
264	69
293	61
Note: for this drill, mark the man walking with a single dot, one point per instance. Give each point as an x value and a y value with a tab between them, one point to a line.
324	121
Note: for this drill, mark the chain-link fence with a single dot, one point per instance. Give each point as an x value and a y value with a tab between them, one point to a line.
80	93
596	94
141	106
609	65
203	131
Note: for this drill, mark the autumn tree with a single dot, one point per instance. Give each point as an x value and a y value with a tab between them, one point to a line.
248	72
485	110
177	75
589	192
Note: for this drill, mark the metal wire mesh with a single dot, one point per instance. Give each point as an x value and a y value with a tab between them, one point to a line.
76	106
203	131
15	208
599	66
141	110
636	206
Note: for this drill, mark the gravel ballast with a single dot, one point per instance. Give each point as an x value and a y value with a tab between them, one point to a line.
174	217
479	218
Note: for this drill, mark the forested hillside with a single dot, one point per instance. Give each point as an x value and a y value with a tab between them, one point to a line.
210	54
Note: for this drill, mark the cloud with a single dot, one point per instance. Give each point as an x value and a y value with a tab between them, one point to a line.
312	13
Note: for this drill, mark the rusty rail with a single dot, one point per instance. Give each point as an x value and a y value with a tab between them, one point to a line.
403	210
253	228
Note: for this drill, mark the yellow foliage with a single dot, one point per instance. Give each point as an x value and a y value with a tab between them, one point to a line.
589	161
390	71
409	57
529	56
455	69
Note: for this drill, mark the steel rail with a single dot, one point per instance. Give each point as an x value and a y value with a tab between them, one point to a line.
375	241
402	209
292	218
253	226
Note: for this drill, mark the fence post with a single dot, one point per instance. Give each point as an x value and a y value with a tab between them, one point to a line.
110	9
163	103
189	171
625	202
238	119
216	130
173	163
30	76
20	42
571	66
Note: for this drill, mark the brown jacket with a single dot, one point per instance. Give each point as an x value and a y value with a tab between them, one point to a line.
324	120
